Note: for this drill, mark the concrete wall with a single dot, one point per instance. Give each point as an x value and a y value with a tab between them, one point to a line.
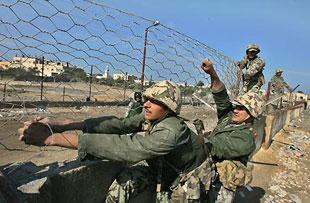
89	181
276	121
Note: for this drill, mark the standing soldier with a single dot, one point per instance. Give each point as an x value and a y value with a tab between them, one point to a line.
277	87
252	67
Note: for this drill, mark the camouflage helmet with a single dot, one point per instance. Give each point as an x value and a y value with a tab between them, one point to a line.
279	70
252	101
252	47
166	92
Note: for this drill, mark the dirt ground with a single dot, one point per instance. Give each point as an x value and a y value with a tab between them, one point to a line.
281	173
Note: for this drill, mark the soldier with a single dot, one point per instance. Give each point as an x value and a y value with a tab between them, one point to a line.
229	144
160	137
277	87
135	106
252	67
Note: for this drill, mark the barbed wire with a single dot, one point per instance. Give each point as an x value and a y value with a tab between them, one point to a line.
49	37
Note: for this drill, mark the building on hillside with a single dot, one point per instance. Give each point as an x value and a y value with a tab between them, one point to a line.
50	68
145	82
120	76
5	64
105	75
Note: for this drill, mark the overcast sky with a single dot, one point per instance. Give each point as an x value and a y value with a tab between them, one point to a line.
280	27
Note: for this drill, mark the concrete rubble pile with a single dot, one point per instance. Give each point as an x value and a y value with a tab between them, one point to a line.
293	171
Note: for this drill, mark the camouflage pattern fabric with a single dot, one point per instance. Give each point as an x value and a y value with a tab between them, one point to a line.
252	47
278	85
254	103
252	74
220	194
192	184
233	174
130	183
166	92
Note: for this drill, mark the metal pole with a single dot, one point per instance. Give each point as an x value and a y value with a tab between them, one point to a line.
63	94
90	81
155	23
125	85
268	96
42	77
143	61
4	92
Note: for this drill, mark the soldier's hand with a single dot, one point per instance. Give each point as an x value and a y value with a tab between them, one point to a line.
35	133
207	66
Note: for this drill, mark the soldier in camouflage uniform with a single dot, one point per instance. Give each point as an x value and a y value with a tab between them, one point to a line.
252	67
277	87
229	144
135	106
159	136
227	148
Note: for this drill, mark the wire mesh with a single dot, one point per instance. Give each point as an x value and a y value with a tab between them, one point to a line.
80	54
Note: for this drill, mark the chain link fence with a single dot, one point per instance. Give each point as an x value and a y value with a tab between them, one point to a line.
62	57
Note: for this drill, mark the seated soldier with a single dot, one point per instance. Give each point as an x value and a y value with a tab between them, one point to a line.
229	145
159	136
135	106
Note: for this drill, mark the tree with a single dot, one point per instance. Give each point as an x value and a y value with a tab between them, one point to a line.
72	75
20	74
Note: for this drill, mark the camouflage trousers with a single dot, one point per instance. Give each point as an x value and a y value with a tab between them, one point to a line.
219	194
136	184
250	86
194	185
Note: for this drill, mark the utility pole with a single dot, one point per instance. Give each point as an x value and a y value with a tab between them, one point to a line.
155	23
90	82
42	77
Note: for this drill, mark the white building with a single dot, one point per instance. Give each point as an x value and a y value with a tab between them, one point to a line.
120	76
105	75
50	68
145	82
5	64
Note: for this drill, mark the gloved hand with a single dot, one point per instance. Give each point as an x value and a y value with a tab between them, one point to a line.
35	133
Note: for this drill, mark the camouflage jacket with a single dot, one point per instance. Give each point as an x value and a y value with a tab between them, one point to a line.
278	84
229	141
168	139
252	70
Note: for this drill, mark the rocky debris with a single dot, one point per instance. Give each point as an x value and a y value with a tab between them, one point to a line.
293	173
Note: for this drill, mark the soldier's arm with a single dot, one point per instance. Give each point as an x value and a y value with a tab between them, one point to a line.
222	101
114	125
127	148
219	92
287	86
232	145
257	66
242	63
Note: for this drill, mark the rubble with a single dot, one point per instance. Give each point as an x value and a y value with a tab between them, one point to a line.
291	182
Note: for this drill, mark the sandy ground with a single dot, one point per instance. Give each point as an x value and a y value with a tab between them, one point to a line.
77	91
281	173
